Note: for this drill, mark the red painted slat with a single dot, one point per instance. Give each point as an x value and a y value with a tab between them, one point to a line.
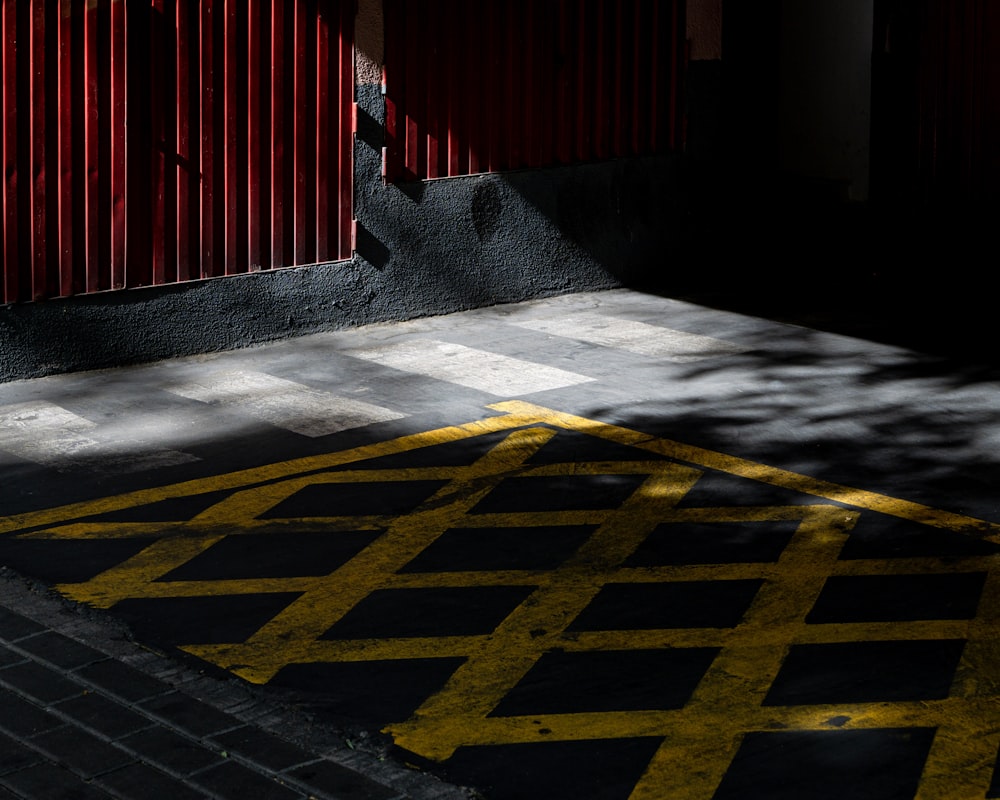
480	120
8	151
429	140
563	84
279	134
211	260
236	125
300	135
636	79
231	113
36	121
322	127
524	84
510	136
263	127
392	71
169	143
161	107
239	100
310	132
544	102
254	168
184	164
62	116
599	110
617	103
453	57
673	26
115	164
90	133
414	96
581	87
654	87
344	176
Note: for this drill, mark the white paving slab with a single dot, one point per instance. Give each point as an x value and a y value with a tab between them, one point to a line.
283	403
48	434
466	366
635	337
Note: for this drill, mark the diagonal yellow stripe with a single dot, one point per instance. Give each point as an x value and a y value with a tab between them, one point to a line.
762	473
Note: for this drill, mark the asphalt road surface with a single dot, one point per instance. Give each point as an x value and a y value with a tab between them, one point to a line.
607	545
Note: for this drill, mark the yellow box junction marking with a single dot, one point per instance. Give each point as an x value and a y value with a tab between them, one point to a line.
700	739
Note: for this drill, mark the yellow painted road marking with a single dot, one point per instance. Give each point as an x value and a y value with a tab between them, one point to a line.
698	740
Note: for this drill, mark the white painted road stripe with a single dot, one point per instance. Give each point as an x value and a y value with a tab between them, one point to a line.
48	434
477	369
284	403
636	337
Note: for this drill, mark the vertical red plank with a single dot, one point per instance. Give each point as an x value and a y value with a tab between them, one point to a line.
430	108
64	56
509	148
543	152
654	83
309	130
322	141
583	87
161	107
36	206
345	172
468	73
262	126
495	77
414	89
562	83
74	109
160	110
182	171
450	57
600	111
208	119
118	51
671	68
279	135
50	154
617	57
169	144
301	113
526	84
91	132
463	62
240	98
637	78
8	151
231	121
253	127
476	72
394	85
975	177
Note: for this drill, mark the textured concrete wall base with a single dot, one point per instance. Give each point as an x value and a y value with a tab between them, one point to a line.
423	249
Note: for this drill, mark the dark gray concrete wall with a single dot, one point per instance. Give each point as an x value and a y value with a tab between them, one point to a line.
423	249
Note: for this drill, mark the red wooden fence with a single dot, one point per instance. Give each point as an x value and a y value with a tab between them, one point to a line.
158	141
936	101
959	114
504	84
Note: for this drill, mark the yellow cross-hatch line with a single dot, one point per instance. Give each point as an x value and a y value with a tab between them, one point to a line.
699	739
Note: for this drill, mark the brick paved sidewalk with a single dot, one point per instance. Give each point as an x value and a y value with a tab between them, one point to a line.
85	713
